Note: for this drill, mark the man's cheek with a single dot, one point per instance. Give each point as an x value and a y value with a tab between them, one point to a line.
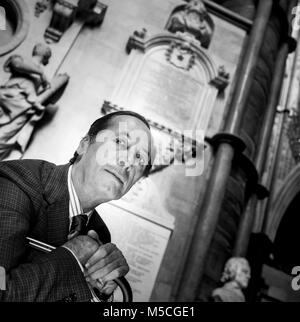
106	155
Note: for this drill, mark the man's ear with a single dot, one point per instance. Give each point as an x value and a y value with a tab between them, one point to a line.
83	145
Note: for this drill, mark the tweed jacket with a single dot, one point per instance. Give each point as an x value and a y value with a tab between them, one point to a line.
34	202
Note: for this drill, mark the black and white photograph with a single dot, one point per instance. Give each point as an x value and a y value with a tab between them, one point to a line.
149	154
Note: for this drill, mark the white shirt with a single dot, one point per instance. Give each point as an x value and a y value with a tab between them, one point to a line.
75	209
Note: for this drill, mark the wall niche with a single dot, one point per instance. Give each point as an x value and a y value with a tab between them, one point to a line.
16	14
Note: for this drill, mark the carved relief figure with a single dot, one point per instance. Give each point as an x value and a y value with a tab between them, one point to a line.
21	98
236	277
193	20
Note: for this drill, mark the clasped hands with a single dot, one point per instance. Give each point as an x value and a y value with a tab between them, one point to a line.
102	263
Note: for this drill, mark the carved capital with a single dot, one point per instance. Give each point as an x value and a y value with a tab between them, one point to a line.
94	15
65	12
136	40
63	16
222	80
41	6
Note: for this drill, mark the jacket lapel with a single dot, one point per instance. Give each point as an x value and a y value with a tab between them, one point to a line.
57	196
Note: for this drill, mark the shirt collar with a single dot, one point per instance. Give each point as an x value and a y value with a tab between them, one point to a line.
74	205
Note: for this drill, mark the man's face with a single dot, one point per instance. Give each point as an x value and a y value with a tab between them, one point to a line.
116	159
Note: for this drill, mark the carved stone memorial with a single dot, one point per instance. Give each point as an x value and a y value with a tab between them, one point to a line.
171	79
194	20
25	98
235	277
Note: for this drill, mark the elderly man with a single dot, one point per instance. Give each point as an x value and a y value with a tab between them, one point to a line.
56	205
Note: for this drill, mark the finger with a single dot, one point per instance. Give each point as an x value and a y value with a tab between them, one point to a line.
94	235
121	271
104	261
108	287
111	271
119	263
102	252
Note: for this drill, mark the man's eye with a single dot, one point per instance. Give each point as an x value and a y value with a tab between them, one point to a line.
140	158
121	142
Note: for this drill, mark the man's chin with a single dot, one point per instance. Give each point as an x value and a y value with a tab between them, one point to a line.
116	192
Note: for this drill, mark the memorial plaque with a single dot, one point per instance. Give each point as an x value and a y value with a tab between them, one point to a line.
166	93
143	243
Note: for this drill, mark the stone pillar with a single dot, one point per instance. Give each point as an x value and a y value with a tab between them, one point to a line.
227	145
243	180
247	221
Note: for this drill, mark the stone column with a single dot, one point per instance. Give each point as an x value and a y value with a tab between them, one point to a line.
228	145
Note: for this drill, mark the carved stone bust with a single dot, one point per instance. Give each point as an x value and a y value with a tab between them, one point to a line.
235	277
192	19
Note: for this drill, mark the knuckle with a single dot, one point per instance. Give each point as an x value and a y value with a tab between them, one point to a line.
95	275
104	252
112	247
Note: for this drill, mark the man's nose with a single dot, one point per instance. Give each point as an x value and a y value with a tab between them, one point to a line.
126	166
127	162
122	163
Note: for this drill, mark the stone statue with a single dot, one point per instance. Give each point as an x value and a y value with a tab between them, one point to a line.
22	96
193	20
236	277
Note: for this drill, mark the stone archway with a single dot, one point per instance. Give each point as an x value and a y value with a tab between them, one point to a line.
289	190
16	14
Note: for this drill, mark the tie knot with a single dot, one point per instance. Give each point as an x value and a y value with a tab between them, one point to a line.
78	225
81	218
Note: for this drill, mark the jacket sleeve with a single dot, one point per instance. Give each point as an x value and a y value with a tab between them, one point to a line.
47	277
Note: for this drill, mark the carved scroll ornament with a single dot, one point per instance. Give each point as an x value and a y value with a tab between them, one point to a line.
66	11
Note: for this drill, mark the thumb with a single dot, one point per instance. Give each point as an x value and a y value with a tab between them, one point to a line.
94	235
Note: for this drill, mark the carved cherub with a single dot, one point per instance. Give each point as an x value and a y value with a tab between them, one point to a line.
235	277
